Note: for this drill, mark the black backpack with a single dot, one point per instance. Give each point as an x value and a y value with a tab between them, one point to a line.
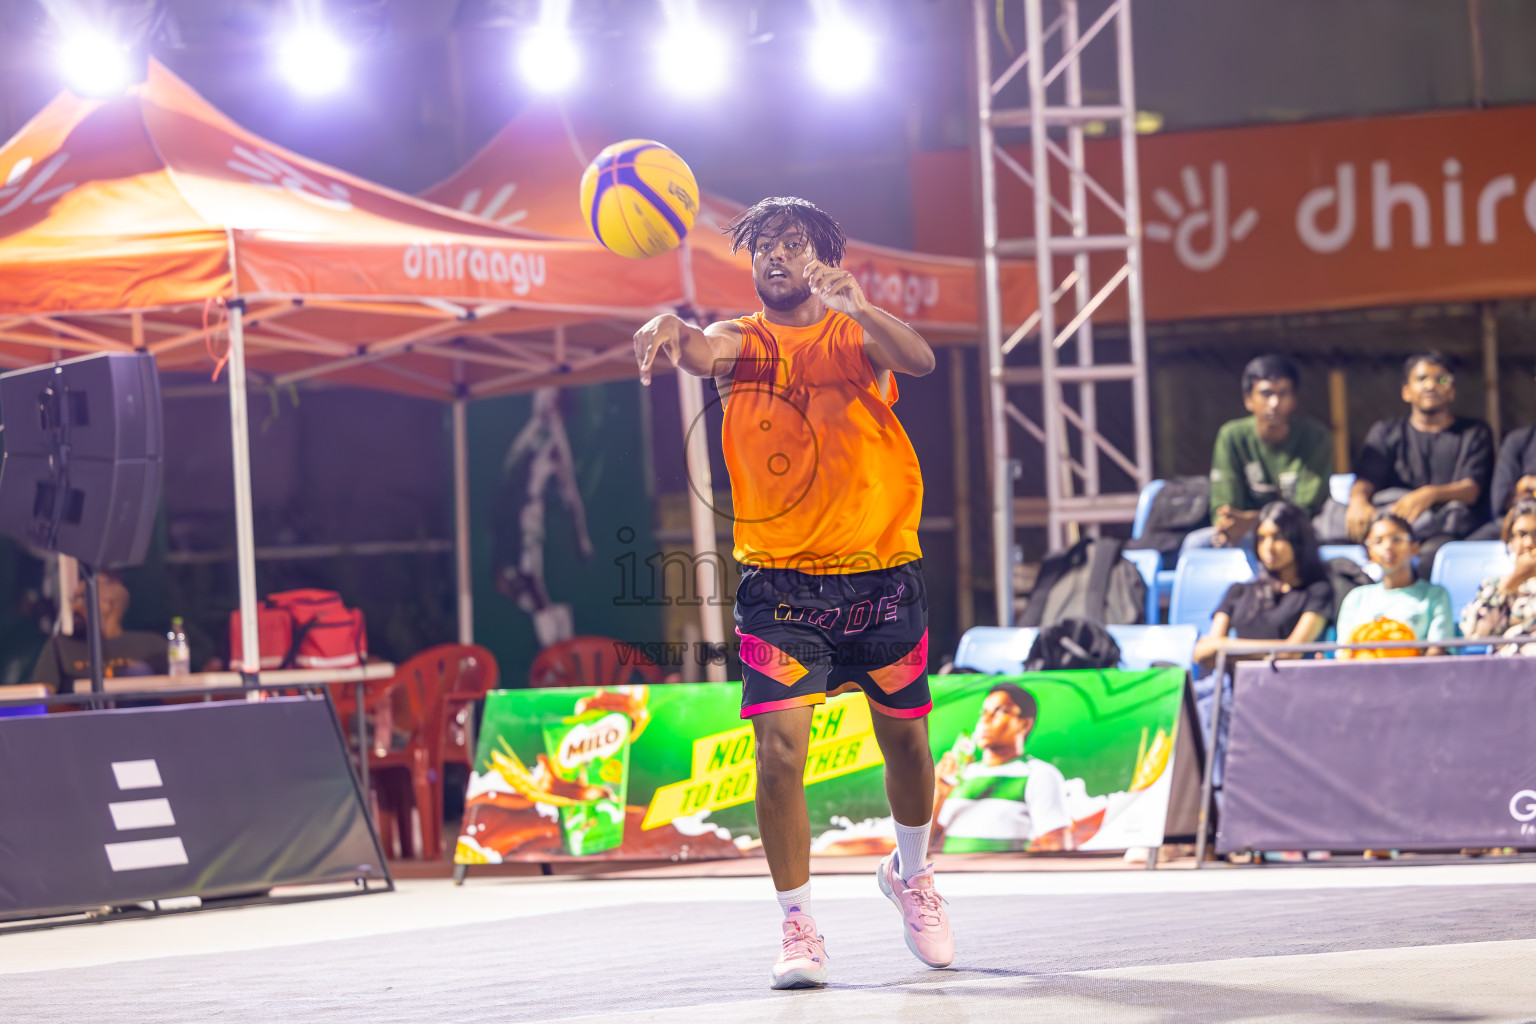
1072	644
1182	506
1089	580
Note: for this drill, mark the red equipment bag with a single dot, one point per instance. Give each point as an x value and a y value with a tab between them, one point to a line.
304	629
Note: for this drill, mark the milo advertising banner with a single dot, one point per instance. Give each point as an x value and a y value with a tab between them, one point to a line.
1045	761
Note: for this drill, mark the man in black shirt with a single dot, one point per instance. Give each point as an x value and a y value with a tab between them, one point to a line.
1514	477
65	658
1430	467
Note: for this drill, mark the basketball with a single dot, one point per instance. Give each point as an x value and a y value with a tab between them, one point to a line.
639	198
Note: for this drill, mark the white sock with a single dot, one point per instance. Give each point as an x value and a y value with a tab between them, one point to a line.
795	900
911	848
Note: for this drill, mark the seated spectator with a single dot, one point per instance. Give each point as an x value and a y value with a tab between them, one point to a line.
1506	605
1420	608
1432	468
1514	477
1270	455
122	653
1291	600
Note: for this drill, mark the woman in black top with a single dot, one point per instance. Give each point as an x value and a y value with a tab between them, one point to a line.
1290	601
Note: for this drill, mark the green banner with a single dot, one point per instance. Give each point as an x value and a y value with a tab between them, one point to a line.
1045	761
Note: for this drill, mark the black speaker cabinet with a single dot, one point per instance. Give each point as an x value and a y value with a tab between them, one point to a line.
83	444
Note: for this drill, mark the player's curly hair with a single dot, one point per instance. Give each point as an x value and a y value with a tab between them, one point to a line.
775	215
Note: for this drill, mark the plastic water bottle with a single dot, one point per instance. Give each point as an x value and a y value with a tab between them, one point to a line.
178	655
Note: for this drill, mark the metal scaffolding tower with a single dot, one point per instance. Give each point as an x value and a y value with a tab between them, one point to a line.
1069	372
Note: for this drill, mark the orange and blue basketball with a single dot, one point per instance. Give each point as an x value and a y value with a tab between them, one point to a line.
639	198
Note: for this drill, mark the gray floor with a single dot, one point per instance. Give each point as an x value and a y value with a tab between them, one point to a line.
1419	952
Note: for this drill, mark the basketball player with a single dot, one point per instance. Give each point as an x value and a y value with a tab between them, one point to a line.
827	494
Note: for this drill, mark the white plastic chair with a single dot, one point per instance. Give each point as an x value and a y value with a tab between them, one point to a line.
1000	650
1141	646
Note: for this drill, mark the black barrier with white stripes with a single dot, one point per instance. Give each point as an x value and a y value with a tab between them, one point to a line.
129	805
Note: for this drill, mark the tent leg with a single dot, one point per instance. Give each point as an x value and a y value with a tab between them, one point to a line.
245	530
709	570
466	606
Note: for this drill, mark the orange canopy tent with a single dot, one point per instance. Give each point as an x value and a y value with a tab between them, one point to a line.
528	176
152	222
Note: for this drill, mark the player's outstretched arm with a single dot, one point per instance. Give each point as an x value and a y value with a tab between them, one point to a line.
704	352
889	343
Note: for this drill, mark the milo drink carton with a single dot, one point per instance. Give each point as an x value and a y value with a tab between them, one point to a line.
590	754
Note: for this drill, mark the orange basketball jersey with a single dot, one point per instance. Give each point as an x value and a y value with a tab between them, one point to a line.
823	477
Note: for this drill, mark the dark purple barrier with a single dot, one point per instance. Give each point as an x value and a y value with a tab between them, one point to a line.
1396	753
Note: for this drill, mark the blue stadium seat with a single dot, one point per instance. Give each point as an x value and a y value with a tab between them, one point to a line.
1140	646
1148	563
1161	584
1000	650
1200	582
1339	485
1144	508
1354	552
1462	565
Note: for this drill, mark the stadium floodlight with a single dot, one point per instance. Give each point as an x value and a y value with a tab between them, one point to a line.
842	55
548	59
95	65
692	58
314	61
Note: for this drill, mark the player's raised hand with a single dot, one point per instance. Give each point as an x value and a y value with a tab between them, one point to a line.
835	287
663	332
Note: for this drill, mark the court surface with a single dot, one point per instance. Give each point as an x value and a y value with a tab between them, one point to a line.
1452	943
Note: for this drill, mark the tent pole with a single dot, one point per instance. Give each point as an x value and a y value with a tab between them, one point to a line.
461	522
245	530
709	570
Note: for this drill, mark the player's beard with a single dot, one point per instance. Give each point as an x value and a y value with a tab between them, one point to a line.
784	303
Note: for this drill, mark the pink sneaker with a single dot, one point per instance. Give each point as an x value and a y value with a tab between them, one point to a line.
924	921
803	961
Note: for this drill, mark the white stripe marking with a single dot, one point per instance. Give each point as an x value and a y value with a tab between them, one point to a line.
137	774
129	814
146	853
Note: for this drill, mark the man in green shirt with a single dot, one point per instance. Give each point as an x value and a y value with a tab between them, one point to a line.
1268	456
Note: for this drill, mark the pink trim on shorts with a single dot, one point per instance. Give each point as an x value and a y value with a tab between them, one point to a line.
780	705
902	712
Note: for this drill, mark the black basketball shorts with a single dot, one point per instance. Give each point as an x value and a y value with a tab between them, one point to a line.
805	636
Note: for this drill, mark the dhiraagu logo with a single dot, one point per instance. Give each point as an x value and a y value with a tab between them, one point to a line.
1202	226
588	742
1522	807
